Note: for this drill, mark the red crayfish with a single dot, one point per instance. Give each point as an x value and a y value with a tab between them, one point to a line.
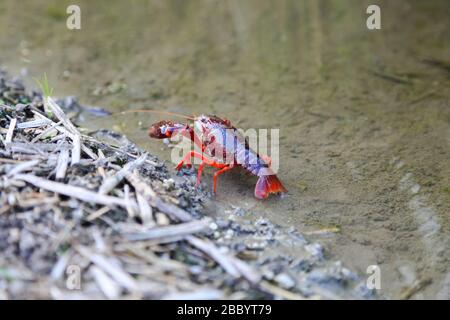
218	139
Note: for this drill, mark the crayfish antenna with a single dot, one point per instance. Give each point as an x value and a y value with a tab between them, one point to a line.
157	112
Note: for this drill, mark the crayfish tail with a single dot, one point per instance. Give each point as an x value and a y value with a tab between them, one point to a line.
267	185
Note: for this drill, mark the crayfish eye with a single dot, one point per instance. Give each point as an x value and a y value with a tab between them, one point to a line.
160	130
155	132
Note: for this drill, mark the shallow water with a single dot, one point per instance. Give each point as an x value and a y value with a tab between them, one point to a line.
364	115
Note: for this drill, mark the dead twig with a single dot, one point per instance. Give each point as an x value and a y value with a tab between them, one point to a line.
9	134
75	192
231	264
61	166
147	192
178	230
111	182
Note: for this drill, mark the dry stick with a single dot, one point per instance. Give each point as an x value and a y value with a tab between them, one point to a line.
279	292
59	137
61	166
100	168
76	135
111	182
6	160
147	192
75	192
22	167
60	266
97	214
93	140
126	192
416	287
145	211
107	285
166	264
57	127
43	133
2	140
71	133
231	264
76	150
113	269
246	270
39	147
33	124
10	132
89	152
172	210
59	113
176	230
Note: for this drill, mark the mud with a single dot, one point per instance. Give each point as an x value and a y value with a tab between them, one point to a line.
363	115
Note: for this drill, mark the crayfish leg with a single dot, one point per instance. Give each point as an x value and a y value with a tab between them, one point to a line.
217	173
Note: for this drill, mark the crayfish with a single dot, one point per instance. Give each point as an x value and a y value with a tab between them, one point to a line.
218	140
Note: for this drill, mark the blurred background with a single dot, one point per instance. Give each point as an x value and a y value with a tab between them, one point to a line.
363	114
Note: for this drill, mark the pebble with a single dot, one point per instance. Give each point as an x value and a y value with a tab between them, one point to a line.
14	235
168	184
415	189
161	219
315	249
257	245
229	234
213	226
285	281
26	240
262	222
239	212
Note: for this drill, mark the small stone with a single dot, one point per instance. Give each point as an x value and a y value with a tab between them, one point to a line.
168	184
26	240
229	234
12	199
302	186
257	245
222	223
161	219
196	269
291	230
14	235
238	211
285	281
262	222
315	249
66	74
247	255
213	226
415	189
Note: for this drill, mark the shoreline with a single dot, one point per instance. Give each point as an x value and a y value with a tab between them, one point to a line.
102	206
